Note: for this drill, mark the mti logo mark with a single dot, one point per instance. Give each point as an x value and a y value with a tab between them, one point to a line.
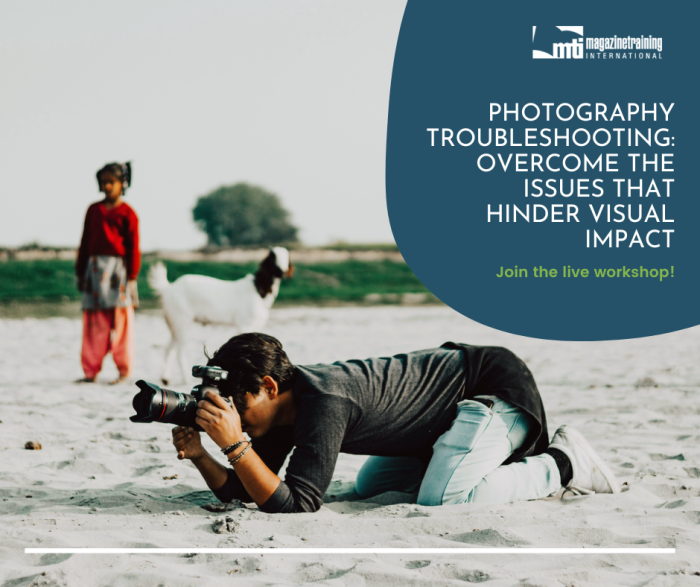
557	42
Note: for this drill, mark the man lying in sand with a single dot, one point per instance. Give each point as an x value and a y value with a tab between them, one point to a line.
457	424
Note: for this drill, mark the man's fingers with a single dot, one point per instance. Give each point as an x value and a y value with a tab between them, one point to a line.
181	438
180	435
179	431
182	441
206	416
208	406
203	423
217	400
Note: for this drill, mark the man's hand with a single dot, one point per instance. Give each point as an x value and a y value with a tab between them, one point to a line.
219	420
80	284
187	443
222	423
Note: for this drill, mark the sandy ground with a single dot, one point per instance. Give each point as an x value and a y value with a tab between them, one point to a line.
101	481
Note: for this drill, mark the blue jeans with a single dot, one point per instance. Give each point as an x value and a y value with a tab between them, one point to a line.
466	465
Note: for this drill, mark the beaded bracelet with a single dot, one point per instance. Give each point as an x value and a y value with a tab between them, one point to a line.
239	456
231	447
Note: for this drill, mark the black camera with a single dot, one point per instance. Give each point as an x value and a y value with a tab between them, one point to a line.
155	404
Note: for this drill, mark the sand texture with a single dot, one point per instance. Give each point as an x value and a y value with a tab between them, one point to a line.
101	481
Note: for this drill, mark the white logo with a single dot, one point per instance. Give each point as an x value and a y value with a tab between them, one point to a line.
568	42
557	42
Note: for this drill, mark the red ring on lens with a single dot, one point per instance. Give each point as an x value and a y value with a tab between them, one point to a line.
165	405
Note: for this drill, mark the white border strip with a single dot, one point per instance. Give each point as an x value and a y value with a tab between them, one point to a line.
350	551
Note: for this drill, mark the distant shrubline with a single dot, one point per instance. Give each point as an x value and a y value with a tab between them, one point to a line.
244	214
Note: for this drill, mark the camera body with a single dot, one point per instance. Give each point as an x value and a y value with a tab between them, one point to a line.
156	404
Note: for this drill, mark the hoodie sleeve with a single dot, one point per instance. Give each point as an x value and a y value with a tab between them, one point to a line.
273	449
132	257
319	431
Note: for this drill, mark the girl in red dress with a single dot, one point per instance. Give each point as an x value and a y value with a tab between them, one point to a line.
108	264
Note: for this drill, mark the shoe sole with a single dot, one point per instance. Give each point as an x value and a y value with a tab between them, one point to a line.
588	449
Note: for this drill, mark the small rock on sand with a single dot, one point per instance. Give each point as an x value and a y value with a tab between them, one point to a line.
33	445
225	525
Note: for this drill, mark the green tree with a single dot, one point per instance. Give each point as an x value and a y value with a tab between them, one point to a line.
243	214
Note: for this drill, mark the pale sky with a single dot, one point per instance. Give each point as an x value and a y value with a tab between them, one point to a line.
292	96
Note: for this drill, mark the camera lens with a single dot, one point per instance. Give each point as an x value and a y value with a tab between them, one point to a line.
155	404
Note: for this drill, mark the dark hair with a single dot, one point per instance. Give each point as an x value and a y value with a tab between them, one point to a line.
122	171
248	358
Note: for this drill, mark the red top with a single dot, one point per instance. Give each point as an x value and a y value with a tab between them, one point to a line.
110	232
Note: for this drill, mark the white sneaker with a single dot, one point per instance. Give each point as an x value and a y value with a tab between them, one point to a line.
590	473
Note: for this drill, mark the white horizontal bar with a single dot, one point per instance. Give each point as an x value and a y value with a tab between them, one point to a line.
272	550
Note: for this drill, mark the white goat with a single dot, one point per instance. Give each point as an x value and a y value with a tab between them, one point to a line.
244	303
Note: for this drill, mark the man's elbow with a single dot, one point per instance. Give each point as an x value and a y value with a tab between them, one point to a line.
294	505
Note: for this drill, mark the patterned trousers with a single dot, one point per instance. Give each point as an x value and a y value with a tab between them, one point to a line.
107	330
